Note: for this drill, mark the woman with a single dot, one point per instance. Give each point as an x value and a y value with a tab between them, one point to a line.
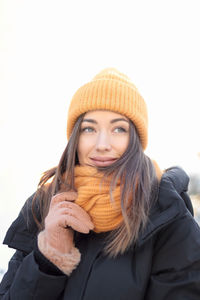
106	223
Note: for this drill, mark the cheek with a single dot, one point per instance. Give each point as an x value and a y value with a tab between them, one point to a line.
84	147
126	143
121	144
123	148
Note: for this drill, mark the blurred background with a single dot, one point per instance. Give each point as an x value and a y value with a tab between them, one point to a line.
48	49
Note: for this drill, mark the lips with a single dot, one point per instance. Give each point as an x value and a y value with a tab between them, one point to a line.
100	161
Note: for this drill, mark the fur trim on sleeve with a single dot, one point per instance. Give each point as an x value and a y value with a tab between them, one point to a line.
65	262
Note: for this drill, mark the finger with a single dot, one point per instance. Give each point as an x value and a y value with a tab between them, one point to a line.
78	210
80	213
67	220
64	196
80	217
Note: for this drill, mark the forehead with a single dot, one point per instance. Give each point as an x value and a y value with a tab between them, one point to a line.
103	113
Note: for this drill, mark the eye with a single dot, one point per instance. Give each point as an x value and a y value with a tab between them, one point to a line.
87	129
120	129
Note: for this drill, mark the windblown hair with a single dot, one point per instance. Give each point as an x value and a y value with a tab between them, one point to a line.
138	181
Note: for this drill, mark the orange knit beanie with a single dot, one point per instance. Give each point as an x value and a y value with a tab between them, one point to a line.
114	91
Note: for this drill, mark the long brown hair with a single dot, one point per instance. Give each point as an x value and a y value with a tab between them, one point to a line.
138	180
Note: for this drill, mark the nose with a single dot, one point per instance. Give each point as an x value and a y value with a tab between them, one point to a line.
103	142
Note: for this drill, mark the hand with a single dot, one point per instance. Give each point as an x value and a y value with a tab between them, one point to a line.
63	218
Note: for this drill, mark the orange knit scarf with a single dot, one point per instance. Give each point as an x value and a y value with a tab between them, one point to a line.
94	198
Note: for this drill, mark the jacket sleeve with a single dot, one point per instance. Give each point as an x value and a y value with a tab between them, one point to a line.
24	280
176	263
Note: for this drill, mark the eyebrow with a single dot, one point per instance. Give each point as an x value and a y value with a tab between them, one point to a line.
119	119
112	121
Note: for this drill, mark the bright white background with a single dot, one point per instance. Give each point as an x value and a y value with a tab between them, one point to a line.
50	48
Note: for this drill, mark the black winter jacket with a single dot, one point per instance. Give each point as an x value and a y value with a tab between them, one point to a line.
164	265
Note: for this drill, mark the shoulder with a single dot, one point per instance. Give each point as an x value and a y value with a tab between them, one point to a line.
173	192
172	205
22	232
171	223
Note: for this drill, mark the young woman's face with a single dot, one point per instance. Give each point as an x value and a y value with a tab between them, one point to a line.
104	137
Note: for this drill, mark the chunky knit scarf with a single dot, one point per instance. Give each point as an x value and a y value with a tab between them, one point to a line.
94	198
